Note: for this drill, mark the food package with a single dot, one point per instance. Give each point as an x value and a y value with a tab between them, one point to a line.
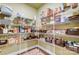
11	40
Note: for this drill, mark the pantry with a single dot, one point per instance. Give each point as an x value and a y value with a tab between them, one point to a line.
39	28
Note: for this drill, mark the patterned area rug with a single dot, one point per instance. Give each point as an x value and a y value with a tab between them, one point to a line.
34	51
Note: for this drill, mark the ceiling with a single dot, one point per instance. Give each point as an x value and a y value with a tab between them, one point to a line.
35	5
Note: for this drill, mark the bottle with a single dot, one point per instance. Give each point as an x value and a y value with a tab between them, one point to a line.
5	30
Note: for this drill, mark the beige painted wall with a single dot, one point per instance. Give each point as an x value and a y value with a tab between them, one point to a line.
44	8
23	9
53	6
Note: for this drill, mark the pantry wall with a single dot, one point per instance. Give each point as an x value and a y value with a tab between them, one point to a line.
59	28
22	10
